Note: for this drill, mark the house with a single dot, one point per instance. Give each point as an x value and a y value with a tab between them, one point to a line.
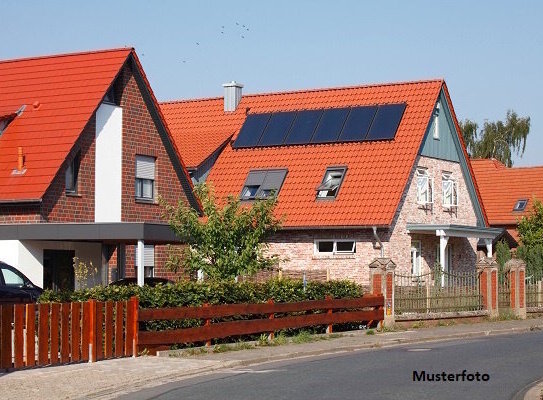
84	155
359	173
507	194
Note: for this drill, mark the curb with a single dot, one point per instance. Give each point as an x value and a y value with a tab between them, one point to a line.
535	392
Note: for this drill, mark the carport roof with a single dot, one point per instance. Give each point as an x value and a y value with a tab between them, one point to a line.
114	232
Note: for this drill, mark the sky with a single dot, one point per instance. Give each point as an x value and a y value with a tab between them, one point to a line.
489	52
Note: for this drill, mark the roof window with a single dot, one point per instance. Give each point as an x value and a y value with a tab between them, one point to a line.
331	182
520	205
262	184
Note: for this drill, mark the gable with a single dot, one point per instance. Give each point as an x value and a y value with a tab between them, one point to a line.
449	147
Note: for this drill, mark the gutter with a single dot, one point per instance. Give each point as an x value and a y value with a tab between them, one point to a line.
378	241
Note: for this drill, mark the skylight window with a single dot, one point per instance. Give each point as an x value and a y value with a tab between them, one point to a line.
520	205
263	184
331	182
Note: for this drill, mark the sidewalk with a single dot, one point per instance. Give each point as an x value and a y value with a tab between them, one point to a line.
111	378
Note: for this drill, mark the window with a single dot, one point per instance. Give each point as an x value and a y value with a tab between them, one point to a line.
416	257
520	205
145	177
450	190
12	278
263	184
148	260
425	187
72	173
331	182
335	247
436	122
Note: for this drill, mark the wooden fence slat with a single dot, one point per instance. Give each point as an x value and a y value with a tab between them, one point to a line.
55	313
246	327
228	310
119	319
18	336
85	336
129	329
6	318
30	335
75	334
99	330
43	334
108	352
65	332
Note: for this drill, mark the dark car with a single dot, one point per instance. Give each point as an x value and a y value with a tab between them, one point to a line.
149	281
15	287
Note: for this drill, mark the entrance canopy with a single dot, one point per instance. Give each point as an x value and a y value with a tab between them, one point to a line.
446	231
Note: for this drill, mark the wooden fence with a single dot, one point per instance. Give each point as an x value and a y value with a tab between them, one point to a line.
47	334
264	319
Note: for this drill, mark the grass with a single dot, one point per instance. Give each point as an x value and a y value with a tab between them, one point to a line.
370	332
507	315
418	325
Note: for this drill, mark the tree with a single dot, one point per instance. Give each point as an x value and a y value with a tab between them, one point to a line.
530	229
497	139
227	241
503	253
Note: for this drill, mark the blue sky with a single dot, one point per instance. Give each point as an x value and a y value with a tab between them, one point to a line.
489	52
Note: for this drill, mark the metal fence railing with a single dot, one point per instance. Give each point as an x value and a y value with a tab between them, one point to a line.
534	289
437	292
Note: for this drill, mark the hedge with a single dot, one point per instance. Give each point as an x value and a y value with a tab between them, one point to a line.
189	293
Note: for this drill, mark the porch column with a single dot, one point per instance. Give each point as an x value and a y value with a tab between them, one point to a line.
488	243
141	263
443	240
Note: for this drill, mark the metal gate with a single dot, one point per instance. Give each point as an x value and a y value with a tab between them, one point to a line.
504	290
437	292
534	290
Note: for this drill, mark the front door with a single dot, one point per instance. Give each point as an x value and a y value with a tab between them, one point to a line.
58	270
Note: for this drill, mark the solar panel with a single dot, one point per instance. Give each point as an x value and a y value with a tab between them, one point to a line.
386	121
358	123
303	127
251	130
330	125
277	129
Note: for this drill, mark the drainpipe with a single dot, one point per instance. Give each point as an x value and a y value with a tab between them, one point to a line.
378	241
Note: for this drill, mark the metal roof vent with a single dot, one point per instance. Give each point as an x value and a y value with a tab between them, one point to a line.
232	95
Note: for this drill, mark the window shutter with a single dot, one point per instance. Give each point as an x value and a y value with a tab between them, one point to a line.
255	178
148	256
274	180
145	167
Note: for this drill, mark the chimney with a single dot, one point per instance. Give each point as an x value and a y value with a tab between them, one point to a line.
20	159
232	95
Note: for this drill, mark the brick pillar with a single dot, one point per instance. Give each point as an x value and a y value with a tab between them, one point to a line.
382	282
488	284
515	271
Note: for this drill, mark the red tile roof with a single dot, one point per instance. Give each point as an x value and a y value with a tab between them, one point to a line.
377	171
502	187
60	93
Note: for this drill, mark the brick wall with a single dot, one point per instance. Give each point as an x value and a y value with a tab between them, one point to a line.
296	248
20	213
58	206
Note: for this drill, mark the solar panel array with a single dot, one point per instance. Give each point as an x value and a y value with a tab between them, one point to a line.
331	125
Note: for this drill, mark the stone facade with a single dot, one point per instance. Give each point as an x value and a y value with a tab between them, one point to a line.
296	248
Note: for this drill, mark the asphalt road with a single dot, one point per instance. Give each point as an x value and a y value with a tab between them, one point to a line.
511	362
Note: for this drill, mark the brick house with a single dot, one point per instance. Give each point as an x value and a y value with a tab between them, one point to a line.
84	155
360	172
507	194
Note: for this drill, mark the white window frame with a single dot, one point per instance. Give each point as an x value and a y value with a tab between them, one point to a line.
334	251
141	180
148	265
435	132
416	247
425	187
449	194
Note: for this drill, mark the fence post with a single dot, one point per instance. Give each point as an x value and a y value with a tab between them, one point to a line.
92	331
516	269
329	312
135	304
271	335
487	270
207	323
382	282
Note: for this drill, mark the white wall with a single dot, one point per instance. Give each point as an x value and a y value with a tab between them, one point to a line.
27	257
108	164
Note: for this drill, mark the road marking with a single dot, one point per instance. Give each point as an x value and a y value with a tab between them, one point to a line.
419	349
252	371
